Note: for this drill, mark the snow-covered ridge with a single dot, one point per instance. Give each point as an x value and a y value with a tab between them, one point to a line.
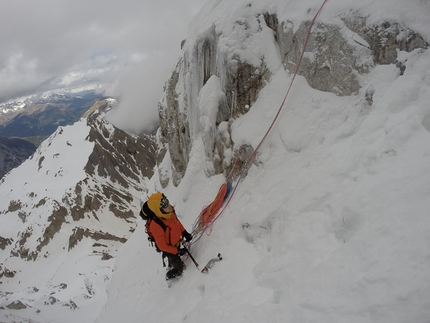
65	222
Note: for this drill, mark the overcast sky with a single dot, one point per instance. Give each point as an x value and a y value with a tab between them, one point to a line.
130	46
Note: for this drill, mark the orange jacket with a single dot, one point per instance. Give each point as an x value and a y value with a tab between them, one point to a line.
167	241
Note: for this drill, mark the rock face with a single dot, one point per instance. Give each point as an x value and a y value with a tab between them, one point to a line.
335	57
118	156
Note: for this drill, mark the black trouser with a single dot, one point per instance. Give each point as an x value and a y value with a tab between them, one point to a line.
176	263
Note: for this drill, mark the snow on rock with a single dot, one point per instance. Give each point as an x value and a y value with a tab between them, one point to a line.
331	222
244	44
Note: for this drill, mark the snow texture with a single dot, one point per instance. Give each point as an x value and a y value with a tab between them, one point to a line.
332	225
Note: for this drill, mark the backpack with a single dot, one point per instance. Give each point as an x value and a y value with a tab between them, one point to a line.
149	216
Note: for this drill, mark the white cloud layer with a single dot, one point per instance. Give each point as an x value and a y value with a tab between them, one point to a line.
130	47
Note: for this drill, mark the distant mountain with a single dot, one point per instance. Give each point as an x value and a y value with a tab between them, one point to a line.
44	115
34	119
13	151
51	97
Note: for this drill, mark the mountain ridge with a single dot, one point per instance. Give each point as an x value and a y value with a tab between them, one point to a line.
35	120
86	177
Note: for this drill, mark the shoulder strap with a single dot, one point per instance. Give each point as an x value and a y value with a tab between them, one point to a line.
160	223
151	216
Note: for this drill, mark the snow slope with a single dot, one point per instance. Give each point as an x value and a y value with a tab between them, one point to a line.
331	223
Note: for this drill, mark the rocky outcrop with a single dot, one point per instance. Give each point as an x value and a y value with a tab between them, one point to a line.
116	154
4	242
336	55
4	272
79	233
17	305
386	39
179	109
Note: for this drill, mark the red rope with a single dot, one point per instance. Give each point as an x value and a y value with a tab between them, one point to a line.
289	88
208	215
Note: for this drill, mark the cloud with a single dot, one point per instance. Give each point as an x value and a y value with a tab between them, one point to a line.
140	87
129	46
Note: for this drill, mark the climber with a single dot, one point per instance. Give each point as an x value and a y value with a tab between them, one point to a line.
167	233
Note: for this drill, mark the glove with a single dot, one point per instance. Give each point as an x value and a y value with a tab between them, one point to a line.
188	237
181	252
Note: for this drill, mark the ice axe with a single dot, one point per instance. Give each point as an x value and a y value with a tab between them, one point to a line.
192	258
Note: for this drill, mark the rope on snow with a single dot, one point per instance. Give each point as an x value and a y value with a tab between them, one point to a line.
210	213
